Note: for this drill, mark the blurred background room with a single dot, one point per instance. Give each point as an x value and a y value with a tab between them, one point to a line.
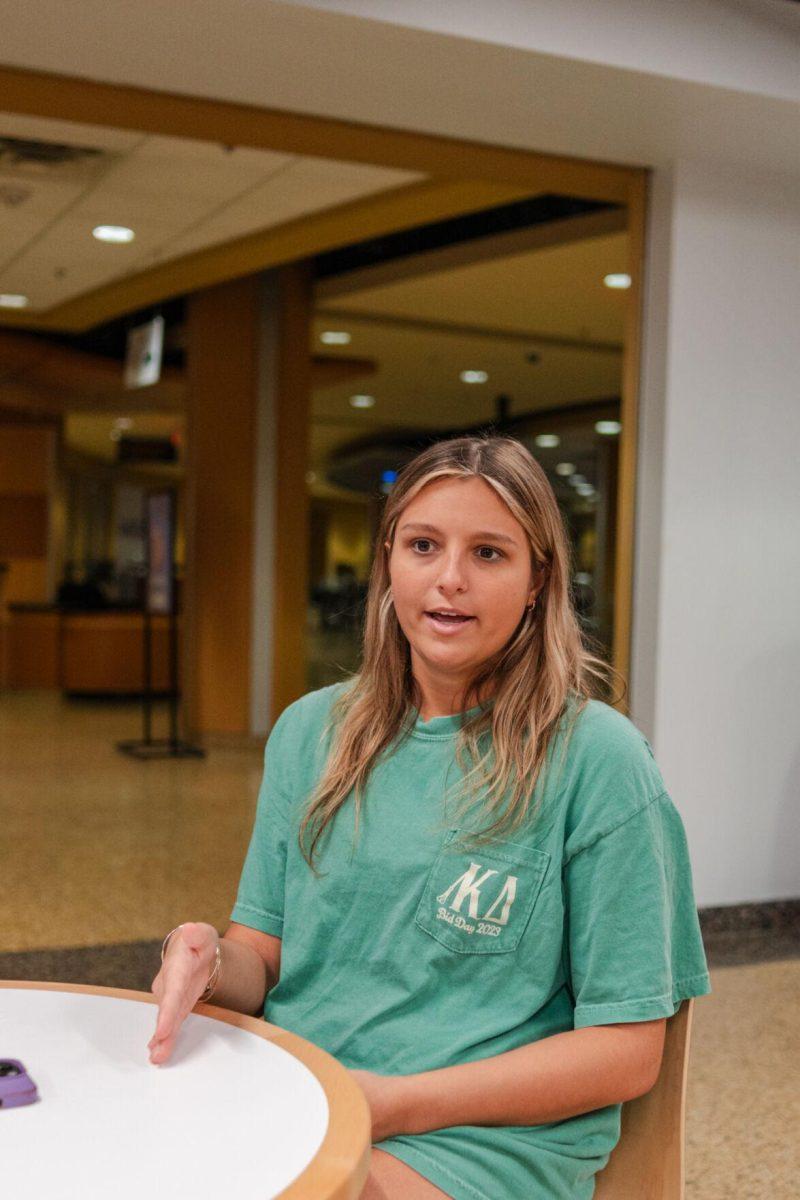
243	282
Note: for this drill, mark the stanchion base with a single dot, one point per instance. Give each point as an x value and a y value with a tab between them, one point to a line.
160	748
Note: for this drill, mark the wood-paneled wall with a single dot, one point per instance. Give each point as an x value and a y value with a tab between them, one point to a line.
222	365
223	357
27	463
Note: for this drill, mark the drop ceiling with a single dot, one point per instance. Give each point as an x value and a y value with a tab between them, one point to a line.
540	322
178	195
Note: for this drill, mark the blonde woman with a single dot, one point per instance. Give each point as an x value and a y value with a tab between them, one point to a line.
466	879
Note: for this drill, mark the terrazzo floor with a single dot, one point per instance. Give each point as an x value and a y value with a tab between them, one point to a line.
100	855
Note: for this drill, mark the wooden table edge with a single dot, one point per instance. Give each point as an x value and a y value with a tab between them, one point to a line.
340	1167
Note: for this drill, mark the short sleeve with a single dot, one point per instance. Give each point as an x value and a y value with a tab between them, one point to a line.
259	900
634	943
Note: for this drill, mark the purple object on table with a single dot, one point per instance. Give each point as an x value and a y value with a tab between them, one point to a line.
16	1085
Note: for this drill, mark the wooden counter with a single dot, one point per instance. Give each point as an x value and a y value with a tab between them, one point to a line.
31	637
97	653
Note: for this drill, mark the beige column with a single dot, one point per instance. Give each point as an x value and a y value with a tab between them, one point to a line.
246	589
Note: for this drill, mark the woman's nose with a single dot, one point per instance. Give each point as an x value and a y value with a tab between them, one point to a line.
452	573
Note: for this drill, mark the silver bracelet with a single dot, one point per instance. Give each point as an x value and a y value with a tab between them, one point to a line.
165	942
213	978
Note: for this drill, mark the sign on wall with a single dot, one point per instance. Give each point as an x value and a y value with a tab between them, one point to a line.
143	354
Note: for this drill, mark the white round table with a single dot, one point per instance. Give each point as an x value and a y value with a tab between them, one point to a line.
242	1110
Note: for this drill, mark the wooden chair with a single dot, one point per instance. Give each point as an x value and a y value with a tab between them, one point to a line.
648	1161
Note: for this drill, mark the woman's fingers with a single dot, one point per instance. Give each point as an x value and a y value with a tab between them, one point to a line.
161	1050
179	984
171	1012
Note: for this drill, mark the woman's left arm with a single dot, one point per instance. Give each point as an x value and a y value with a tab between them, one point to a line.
548	1080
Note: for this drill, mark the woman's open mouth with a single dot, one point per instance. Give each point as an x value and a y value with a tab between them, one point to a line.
447	624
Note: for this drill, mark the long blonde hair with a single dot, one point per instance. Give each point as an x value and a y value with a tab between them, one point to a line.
544	671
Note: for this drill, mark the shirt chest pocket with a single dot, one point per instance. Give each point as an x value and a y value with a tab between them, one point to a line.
480	901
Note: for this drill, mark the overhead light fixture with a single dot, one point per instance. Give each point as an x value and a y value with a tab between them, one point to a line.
335	337
12	300
565	468
576	479
609	428
124	423
113	233
361	401
617	281
473	376
546	440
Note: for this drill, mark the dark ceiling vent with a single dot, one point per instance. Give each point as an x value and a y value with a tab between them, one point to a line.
21	151
22	158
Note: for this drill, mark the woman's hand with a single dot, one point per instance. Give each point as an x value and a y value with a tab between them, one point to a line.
180	983
385	1098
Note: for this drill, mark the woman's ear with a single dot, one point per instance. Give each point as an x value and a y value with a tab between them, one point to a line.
540	577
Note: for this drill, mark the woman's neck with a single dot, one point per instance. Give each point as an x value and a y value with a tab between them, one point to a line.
444	702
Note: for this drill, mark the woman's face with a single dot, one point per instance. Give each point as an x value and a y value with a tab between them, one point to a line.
457	547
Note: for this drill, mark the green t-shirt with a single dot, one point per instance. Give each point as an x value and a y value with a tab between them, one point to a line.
411	954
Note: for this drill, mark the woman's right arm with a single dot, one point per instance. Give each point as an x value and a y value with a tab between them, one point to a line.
250	966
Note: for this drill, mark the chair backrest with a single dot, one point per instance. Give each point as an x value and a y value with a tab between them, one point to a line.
648	1161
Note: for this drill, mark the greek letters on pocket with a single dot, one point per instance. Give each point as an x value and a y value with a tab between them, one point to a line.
480	902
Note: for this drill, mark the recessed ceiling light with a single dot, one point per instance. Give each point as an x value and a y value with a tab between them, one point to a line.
565	468
113	233
576	479
124	423
617	281
473	376
608	427
335	337
362	401
12	300
545	440
584	489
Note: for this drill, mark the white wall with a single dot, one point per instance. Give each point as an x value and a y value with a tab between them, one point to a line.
717	638
748	45
659	83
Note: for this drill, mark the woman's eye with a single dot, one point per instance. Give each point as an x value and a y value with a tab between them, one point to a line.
421	546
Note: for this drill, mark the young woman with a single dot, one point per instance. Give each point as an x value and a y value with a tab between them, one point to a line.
466	879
